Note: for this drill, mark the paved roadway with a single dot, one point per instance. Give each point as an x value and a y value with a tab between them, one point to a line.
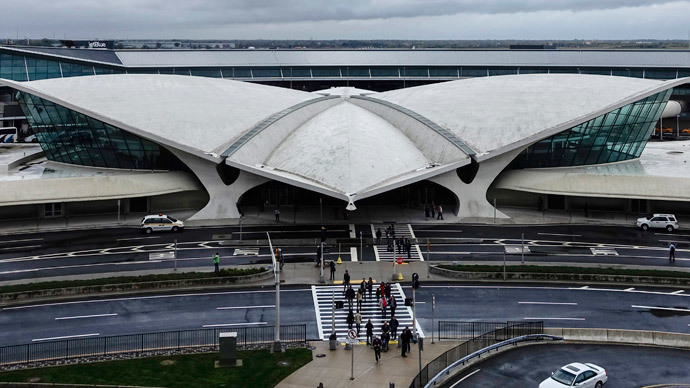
558	306
30	256
627	366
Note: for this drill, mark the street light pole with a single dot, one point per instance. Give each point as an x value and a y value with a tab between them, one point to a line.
361	247
321	278
276	345
241	219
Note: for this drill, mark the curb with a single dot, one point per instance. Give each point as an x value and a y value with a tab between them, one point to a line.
18	298
562	277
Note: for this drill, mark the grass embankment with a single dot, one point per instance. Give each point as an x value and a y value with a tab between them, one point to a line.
547	269
229	272
261	369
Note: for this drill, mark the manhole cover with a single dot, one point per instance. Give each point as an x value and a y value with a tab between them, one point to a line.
167	362
320	355
311	347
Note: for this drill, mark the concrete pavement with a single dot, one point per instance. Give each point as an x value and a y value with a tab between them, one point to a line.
334	370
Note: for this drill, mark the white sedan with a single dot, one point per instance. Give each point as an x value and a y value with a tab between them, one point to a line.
577	375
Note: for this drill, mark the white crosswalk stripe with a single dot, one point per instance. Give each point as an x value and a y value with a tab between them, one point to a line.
401	230
323	302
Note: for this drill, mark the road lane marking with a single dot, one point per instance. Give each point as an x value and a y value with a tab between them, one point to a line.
235	324
246	307
137	238
630	289
661	308
553	319
560	234
65	337
551	303
86	316
149	297
464	378
584	287
676	292
22	240
22	247
672	234
136	262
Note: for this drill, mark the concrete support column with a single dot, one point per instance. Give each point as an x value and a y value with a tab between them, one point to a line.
223	198
472	201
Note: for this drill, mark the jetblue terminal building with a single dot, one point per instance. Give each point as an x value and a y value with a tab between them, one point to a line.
159	130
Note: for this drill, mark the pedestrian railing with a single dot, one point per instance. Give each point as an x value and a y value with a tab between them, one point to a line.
247	337
445	372
482	334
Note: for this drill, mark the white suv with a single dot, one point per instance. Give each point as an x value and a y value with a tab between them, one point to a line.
155	223
664	221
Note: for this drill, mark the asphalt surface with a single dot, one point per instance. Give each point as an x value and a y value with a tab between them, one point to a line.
557	306
55	254
627	366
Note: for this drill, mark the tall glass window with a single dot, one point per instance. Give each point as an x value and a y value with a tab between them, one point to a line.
618	135
71	137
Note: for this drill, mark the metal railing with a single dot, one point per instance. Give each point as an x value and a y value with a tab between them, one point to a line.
257	336
482	334
478	353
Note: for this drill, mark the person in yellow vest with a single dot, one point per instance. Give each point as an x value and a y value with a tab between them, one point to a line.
216	262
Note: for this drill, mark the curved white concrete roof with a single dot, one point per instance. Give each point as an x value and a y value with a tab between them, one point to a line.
345	145
347	148
493	114
192	113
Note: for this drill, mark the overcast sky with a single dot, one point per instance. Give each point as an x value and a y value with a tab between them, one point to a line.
353	19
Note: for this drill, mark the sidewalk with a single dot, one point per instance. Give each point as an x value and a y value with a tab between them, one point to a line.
334	370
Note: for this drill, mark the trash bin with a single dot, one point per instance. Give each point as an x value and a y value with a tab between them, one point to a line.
333	341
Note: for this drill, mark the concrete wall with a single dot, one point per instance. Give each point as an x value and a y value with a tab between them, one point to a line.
619	336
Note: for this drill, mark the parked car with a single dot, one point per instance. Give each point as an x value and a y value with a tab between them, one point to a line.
662	221
160	222
577	375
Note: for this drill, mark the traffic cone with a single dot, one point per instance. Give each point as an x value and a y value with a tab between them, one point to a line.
339	260
400	277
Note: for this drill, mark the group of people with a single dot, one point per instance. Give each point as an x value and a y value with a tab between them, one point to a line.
388	331
385	300
433	211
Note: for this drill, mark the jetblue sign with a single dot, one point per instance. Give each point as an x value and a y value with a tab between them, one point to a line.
97	45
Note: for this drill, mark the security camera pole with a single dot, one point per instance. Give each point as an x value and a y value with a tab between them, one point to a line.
276	344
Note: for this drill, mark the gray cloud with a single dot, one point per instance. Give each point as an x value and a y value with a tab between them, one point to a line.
359	19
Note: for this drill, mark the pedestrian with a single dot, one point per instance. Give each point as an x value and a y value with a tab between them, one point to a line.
406	337
358	322
350	295
363	286
440	212
277	214
378	294
408	248
332	265
399	243
394	326
350	319
427	212
393	305
384	307
393	231
377	348
370	285
433	210
281	258
408	245
385	340
378	236
370	331
387	290
346	281
360	295
672	252
216	262
385	328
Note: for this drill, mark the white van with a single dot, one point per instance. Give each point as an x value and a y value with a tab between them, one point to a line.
160	222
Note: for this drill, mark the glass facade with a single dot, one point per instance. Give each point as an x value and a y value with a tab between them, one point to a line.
28	68
615	136
71	137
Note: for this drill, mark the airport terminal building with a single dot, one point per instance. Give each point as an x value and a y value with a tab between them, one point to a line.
179	139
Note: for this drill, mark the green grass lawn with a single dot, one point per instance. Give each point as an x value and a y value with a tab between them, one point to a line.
261	369
565	269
